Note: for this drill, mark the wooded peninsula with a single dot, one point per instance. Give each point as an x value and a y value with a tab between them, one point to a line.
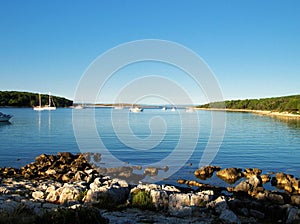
27	99
290	104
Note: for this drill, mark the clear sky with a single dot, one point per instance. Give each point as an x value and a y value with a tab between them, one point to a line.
253	47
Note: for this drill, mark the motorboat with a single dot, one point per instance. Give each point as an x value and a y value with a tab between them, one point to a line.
136	109
78	107
164	108
173	109
5	117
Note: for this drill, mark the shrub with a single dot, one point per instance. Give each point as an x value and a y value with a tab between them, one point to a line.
142	200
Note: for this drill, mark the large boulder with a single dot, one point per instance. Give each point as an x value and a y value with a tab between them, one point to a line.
249	172
282	180
68	194
107	193
230	175
218	204
179	205
229	216
265	178
251	184
38	195
206	172
293	215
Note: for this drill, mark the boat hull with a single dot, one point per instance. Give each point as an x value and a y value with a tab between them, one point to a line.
136	110
5	117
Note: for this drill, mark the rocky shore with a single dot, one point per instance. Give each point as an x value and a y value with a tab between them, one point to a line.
66	188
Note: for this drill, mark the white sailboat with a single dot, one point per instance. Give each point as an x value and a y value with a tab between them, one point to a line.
46	107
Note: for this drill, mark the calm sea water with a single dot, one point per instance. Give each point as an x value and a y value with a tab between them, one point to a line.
140	139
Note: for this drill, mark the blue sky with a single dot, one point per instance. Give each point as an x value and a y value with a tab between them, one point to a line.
253	47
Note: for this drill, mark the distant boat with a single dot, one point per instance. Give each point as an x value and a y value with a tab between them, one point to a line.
78	107
136	109
164	108
5	117
173	109
46	107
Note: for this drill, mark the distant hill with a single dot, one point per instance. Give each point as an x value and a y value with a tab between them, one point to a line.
27	99
289	104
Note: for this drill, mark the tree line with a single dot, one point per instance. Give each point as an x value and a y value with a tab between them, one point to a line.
289	104
27	99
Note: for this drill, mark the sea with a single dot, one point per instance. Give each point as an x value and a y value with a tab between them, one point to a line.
175	142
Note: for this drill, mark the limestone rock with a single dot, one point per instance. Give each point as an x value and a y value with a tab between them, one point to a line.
282	178
287	182
293	215
79	176
53	196
276	198
219	204
249	172
170	188
206	172
228	216
257	214
151	171
104	190
265	178
179	205
160	199
9	206
181	181
68	193
230	175
38	195
251	184
50	172
295	199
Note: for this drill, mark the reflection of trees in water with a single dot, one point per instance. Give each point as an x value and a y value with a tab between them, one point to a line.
291	122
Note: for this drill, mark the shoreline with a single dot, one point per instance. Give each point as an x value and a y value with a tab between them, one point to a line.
67	183
260	112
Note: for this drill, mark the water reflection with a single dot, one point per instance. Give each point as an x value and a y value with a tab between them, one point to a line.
290	122
4	124
49	120
40	120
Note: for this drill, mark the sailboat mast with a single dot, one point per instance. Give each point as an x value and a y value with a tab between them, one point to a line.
49	100
40	100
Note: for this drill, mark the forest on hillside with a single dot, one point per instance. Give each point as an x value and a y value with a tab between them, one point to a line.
27	99
289	104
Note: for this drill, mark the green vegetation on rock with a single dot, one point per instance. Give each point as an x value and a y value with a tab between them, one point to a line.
26	99
289	104
142	200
